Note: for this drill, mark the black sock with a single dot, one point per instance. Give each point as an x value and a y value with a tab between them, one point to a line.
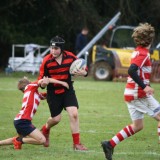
19	139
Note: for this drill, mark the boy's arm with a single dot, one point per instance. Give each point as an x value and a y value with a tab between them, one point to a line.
52	80
132	71
43	82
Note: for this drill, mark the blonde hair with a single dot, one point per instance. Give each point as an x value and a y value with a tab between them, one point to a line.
143	35
22	83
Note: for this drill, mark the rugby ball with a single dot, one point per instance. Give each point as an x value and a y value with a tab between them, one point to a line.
78	64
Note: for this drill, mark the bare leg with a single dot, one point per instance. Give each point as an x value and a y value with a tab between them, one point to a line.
158	127
6	141
74	121
36	137
52	121
137	125
74	125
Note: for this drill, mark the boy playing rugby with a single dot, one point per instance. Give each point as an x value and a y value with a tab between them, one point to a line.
27	132
138	93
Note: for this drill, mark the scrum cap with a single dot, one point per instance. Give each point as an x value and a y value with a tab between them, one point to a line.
57	42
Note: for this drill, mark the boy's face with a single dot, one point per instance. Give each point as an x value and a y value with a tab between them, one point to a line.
55	51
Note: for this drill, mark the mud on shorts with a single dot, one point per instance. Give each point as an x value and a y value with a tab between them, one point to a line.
58	102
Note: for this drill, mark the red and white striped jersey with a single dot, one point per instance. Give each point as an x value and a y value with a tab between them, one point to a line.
30	102
141	58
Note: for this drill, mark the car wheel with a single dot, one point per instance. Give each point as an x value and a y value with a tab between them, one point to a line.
102	71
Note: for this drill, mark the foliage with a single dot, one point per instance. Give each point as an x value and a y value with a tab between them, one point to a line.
37	21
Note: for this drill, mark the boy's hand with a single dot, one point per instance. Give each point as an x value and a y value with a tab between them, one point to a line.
65	84
44	82
149	90
81	72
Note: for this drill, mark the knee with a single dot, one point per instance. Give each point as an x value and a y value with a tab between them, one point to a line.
157	117
42	140
55	120
74	115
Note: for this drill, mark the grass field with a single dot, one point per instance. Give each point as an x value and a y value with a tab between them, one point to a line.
102	114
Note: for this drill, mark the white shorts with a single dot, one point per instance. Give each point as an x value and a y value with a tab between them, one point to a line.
148	105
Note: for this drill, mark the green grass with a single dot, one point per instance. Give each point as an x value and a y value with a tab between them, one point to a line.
102	114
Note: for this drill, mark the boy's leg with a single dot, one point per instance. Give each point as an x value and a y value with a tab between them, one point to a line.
157	117
74	125
158	130
35	137
127	132
108	146
154	111
52	121
56	107
6	141
137	118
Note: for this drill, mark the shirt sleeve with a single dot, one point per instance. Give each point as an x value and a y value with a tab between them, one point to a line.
132	71
42	69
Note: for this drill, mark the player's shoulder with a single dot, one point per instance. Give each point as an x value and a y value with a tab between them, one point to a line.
47	57
33	85
142	51
68	53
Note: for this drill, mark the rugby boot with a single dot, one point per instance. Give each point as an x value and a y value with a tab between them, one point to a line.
107	149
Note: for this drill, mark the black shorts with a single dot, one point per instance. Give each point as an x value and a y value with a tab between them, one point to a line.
58	102
24	127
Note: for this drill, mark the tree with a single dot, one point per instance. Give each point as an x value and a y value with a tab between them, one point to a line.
37	21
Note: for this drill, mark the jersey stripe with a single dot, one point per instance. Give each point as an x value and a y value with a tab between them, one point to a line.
30	102
141	58
52	69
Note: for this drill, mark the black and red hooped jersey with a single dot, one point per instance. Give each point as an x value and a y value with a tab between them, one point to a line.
52	69
30	102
